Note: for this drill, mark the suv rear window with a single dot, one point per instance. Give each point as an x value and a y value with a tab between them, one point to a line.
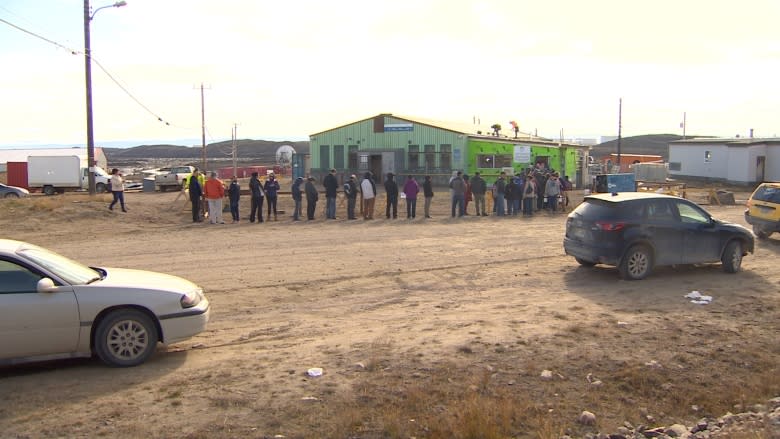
766	193
605	210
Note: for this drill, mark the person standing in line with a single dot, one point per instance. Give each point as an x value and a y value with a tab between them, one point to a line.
478	190
214	191
552	190
517	195
391	190
500	192
312	195
234	194
411	189
428	194
368	188
458	187
256	207
331	184
529	195
297	196
196	193
351	192
271	188
467	194
117	189
509	194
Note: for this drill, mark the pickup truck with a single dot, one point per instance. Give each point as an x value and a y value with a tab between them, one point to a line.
172	178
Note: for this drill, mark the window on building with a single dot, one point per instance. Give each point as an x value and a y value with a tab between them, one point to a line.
414	157
494	160
707	156
353	157
445	156
430	157
675	166
338	156
324	156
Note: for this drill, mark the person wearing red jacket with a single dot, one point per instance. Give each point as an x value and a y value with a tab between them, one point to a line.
214	191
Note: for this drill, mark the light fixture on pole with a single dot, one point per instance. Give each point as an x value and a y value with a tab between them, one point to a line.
88	16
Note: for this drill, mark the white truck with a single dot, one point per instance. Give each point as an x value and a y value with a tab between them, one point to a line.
172	178
57	174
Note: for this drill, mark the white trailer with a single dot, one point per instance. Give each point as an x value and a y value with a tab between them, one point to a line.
53	174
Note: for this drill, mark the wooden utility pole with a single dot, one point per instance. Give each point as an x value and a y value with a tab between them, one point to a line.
234	134
202	130
620	129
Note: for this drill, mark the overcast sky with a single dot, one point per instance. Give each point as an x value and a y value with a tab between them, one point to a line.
295	67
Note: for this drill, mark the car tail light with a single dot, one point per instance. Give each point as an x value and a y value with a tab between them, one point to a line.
610	226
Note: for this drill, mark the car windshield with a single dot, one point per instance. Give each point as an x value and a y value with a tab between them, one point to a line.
767	193
69	270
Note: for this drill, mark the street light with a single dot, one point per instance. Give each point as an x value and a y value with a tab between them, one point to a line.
88	16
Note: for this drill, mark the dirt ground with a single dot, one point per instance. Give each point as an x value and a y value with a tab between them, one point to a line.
423	328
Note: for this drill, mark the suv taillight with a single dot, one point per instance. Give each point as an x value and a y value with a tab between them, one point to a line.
610	226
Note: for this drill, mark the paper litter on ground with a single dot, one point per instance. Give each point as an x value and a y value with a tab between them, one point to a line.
698	298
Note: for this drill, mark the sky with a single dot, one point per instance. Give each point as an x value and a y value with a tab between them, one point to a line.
285	69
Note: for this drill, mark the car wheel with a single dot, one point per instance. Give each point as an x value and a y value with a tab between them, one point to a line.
125	338
11	195
760	233
637	263
163	188
48	190
732	257
583	262
100	188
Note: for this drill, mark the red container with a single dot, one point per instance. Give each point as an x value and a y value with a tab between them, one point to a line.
17	174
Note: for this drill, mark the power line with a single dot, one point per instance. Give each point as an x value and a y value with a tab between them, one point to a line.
79	52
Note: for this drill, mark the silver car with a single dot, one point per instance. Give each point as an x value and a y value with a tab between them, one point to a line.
53	307
13	191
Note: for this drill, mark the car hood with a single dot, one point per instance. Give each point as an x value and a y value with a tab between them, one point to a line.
140	279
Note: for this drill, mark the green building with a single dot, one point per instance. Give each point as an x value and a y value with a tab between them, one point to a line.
405	146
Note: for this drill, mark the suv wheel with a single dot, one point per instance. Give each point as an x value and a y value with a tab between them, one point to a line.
732	257
636	263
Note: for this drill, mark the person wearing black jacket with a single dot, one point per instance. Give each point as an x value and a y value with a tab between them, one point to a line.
331	184
428	193
312	195
351	192
297	197
196	193
234	194
391	190
478	190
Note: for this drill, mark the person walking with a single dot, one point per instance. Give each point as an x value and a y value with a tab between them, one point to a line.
351	192
411	189
271	188
297	196
214	191
331	184
256	206
368	188
312	195
391	190
458	187
428	194
234	194
117	189
196	193
478	190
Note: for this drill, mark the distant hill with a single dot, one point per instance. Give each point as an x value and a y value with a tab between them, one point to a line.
650	144
260	150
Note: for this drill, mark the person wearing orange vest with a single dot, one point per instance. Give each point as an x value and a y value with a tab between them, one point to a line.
214	191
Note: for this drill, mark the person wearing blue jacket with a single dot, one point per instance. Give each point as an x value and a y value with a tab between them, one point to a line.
271	187
234	194
196	193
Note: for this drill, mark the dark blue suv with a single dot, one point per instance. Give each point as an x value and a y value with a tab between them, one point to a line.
636	231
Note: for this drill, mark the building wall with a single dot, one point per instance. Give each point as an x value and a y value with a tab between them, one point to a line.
560	158
772	169
736	163
694	162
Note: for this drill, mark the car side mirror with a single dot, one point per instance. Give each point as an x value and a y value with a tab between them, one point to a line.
46	285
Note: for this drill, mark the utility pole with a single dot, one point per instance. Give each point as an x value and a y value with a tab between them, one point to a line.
234	135
202	130
683	124
620	129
